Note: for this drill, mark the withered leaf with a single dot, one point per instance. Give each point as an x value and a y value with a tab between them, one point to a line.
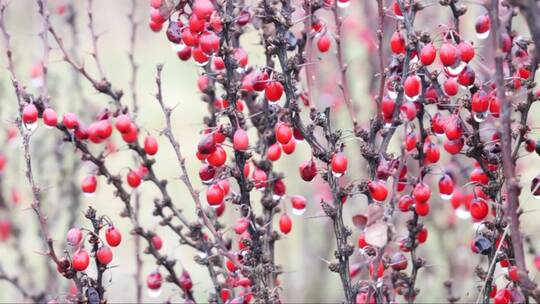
375	213
376	234
360	221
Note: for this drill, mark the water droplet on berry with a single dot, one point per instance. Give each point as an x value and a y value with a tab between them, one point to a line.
338	175
413	98
392	94
482	36
480	117
154	293
177	47
298	211
31	126
462	214
343	3
456	69
446	196
203	63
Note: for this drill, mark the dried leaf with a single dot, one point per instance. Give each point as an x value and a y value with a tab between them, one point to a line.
377	234
360	221
375	213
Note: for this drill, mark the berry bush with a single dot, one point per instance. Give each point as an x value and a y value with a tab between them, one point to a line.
357	151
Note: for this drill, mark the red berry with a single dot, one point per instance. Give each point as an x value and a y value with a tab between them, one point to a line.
218	63
89	184
387	107
207	144
432	153
174	32
104	255
408	111
399	261
207	172
155	26
155	3
70	120
241	57
150	145
133	179
289	147
379	270
503	296
308	170
203	8
279	188
199	56
454	146
214	195
422	235
421	193
154	280
451	87
80	260
421	209
466	77
513	273
285	223
241	225
218	157
299	203
29	114
397	43
274	152
74	236
273	90
478	176
412	86
157	242
446	185
189	37
377	190
449	54
397	12
113	236
284	133
410	141
405	202
467	51
184	54
479	209
483	24
428	53
260	81
185	281
50	118
103	129
494	106
480	102
324	43
240	140
259	178
155	15
131	135
437	124
123	123
339	163
453	128
209	42
225	295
